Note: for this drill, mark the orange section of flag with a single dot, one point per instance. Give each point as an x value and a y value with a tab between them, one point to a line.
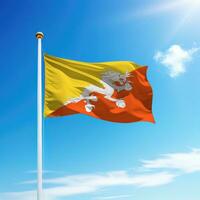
131	104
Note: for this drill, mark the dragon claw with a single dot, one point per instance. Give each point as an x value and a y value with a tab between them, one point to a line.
121	104
89	107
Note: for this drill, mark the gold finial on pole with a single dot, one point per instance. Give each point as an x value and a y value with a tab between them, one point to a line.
39	35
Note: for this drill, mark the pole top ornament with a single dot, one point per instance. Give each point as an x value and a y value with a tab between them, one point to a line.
39	35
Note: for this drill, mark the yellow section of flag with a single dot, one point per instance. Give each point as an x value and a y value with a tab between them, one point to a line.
66	79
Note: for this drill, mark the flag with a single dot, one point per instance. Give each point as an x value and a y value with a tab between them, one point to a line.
115	91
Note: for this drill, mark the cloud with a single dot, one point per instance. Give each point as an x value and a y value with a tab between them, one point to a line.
154	173
175	59
89	183
112	197
185	162
27	195
44	171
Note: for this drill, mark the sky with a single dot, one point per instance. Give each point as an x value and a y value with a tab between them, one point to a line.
88	158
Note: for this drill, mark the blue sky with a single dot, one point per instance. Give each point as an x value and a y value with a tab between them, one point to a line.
86	158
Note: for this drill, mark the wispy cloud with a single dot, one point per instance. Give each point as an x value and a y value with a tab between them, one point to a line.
111	179
44	171
160	171
112	197
185	162
175	59
27	195
80	184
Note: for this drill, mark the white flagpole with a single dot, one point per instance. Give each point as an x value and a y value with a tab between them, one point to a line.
39	36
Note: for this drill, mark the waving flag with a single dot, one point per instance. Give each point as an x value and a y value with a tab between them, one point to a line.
115	91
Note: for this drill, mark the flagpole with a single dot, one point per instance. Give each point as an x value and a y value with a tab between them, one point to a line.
39	36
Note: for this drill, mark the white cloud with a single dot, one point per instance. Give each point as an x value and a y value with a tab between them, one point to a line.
175	59
169	166
112	197
27	195
44	171
80	184
110	179
185	162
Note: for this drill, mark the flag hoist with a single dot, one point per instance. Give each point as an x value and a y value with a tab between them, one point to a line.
116	91
39	36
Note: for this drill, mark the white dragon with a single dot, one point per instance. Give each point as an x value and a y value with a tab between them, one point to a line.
111	81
